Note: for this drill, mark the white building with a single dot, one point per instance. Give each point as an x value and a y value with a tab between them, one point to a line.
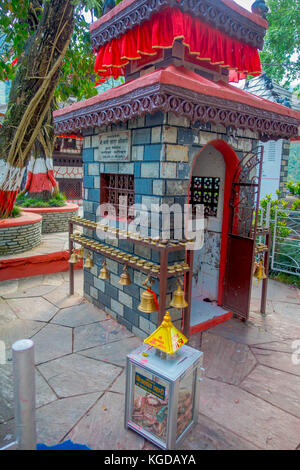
276	153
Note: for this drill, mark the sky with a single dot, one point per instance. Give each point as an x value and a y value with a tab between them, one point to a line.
245	3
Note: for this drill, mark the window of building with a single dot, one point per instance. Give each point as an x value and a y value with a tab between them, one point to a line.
118	190
57	145
70	143
205	190
71	187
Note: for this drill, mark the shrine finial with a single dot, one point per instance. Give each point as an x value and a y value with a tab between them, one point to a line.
107	6
260	8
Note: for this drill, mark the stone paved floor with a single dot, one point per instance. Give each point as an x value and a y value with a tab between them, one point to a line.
250	397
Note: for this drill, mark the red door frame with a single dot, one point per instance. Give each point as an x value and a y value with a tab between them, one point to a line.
231	165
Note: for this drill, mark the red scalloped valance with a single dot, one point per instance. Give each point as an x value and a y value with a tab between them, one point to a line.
204	43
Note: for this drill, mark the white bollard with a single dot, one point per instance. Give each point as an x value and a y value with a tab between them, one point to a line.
24	394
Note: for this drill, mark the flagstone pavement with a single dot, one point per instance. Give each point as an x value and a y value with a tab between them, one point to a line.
250	396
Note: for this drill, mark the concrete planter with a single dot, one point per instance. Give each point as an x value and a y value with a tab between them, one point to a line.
20	234
55	219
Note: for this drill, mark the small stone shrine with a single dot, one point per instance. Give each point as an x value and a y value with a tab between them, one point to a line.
176	132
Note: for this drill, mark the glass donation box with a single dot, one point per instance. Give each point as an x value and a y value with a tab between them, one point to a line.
162	393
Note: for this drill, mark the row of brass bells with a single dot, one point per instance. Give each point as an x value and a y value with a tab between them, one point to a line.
104	273
178	300
147	304
125	278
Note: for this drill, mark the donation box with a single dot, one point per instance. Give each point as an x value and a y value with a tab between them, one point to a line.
162	393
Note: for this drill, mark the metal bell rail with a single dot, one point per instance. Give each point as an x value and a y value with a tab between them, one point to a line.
147	267
162	271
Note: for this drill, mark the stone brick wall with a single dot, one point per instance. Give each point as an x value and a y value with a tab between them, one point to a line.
121	302
56	221
20	238
163	148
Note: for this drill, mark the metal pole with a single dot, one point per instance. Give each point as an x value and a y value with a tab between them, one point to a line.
274	239
24	394
188	290
71	265
264	288
268	215
162	285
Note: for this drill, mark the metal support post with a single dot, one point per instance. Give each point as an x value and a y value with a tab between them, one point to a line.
24	394
71	265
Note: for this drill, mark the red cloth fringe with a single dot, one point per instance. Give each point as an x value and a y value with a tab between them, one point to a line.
204	43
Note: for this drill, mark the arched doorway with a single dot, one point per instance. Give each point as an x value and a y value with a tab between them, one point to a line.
211	180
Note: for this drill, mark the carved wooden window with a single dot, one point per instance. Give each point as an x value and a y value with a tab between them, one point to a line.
205	190
118	190
69	160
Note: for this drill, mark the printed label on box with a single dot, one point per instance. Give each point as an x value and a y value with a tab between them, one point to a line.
150	386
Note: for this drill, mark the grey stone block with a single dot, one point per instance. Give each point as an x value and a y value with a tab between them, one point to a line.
141	136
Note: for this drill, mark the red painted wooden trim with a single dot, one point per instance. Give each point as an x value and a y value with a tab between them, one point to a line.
36	265
231	164
248	14
110	14
69	207
210	323
184	78
25	219
126	3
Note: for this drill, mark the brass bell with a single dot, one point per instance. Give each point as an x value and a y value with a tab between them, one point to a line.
73	258
80	253
125	278
88	262
260	271
104	273
178	300
147	304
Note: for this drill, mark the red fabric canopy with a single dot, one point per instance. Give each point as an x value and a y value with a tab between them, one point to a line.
204	43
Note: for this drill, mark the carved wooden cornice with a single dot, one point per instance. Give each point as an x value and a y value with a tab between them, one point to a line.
216	13
182	102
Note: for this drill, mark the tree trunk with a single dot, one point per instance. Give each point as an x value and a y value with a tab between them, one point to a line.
41	183
31	94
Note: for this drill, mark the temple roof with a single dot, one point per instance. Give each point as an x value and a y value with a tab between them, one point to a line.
185	93
224	15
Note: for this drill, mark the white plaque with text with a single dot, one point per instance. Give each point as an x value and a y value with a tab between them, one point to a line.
114	146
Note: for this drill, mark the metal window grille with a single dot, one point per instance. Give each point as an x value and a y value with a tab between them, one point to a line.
118	190
205	190
71	187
